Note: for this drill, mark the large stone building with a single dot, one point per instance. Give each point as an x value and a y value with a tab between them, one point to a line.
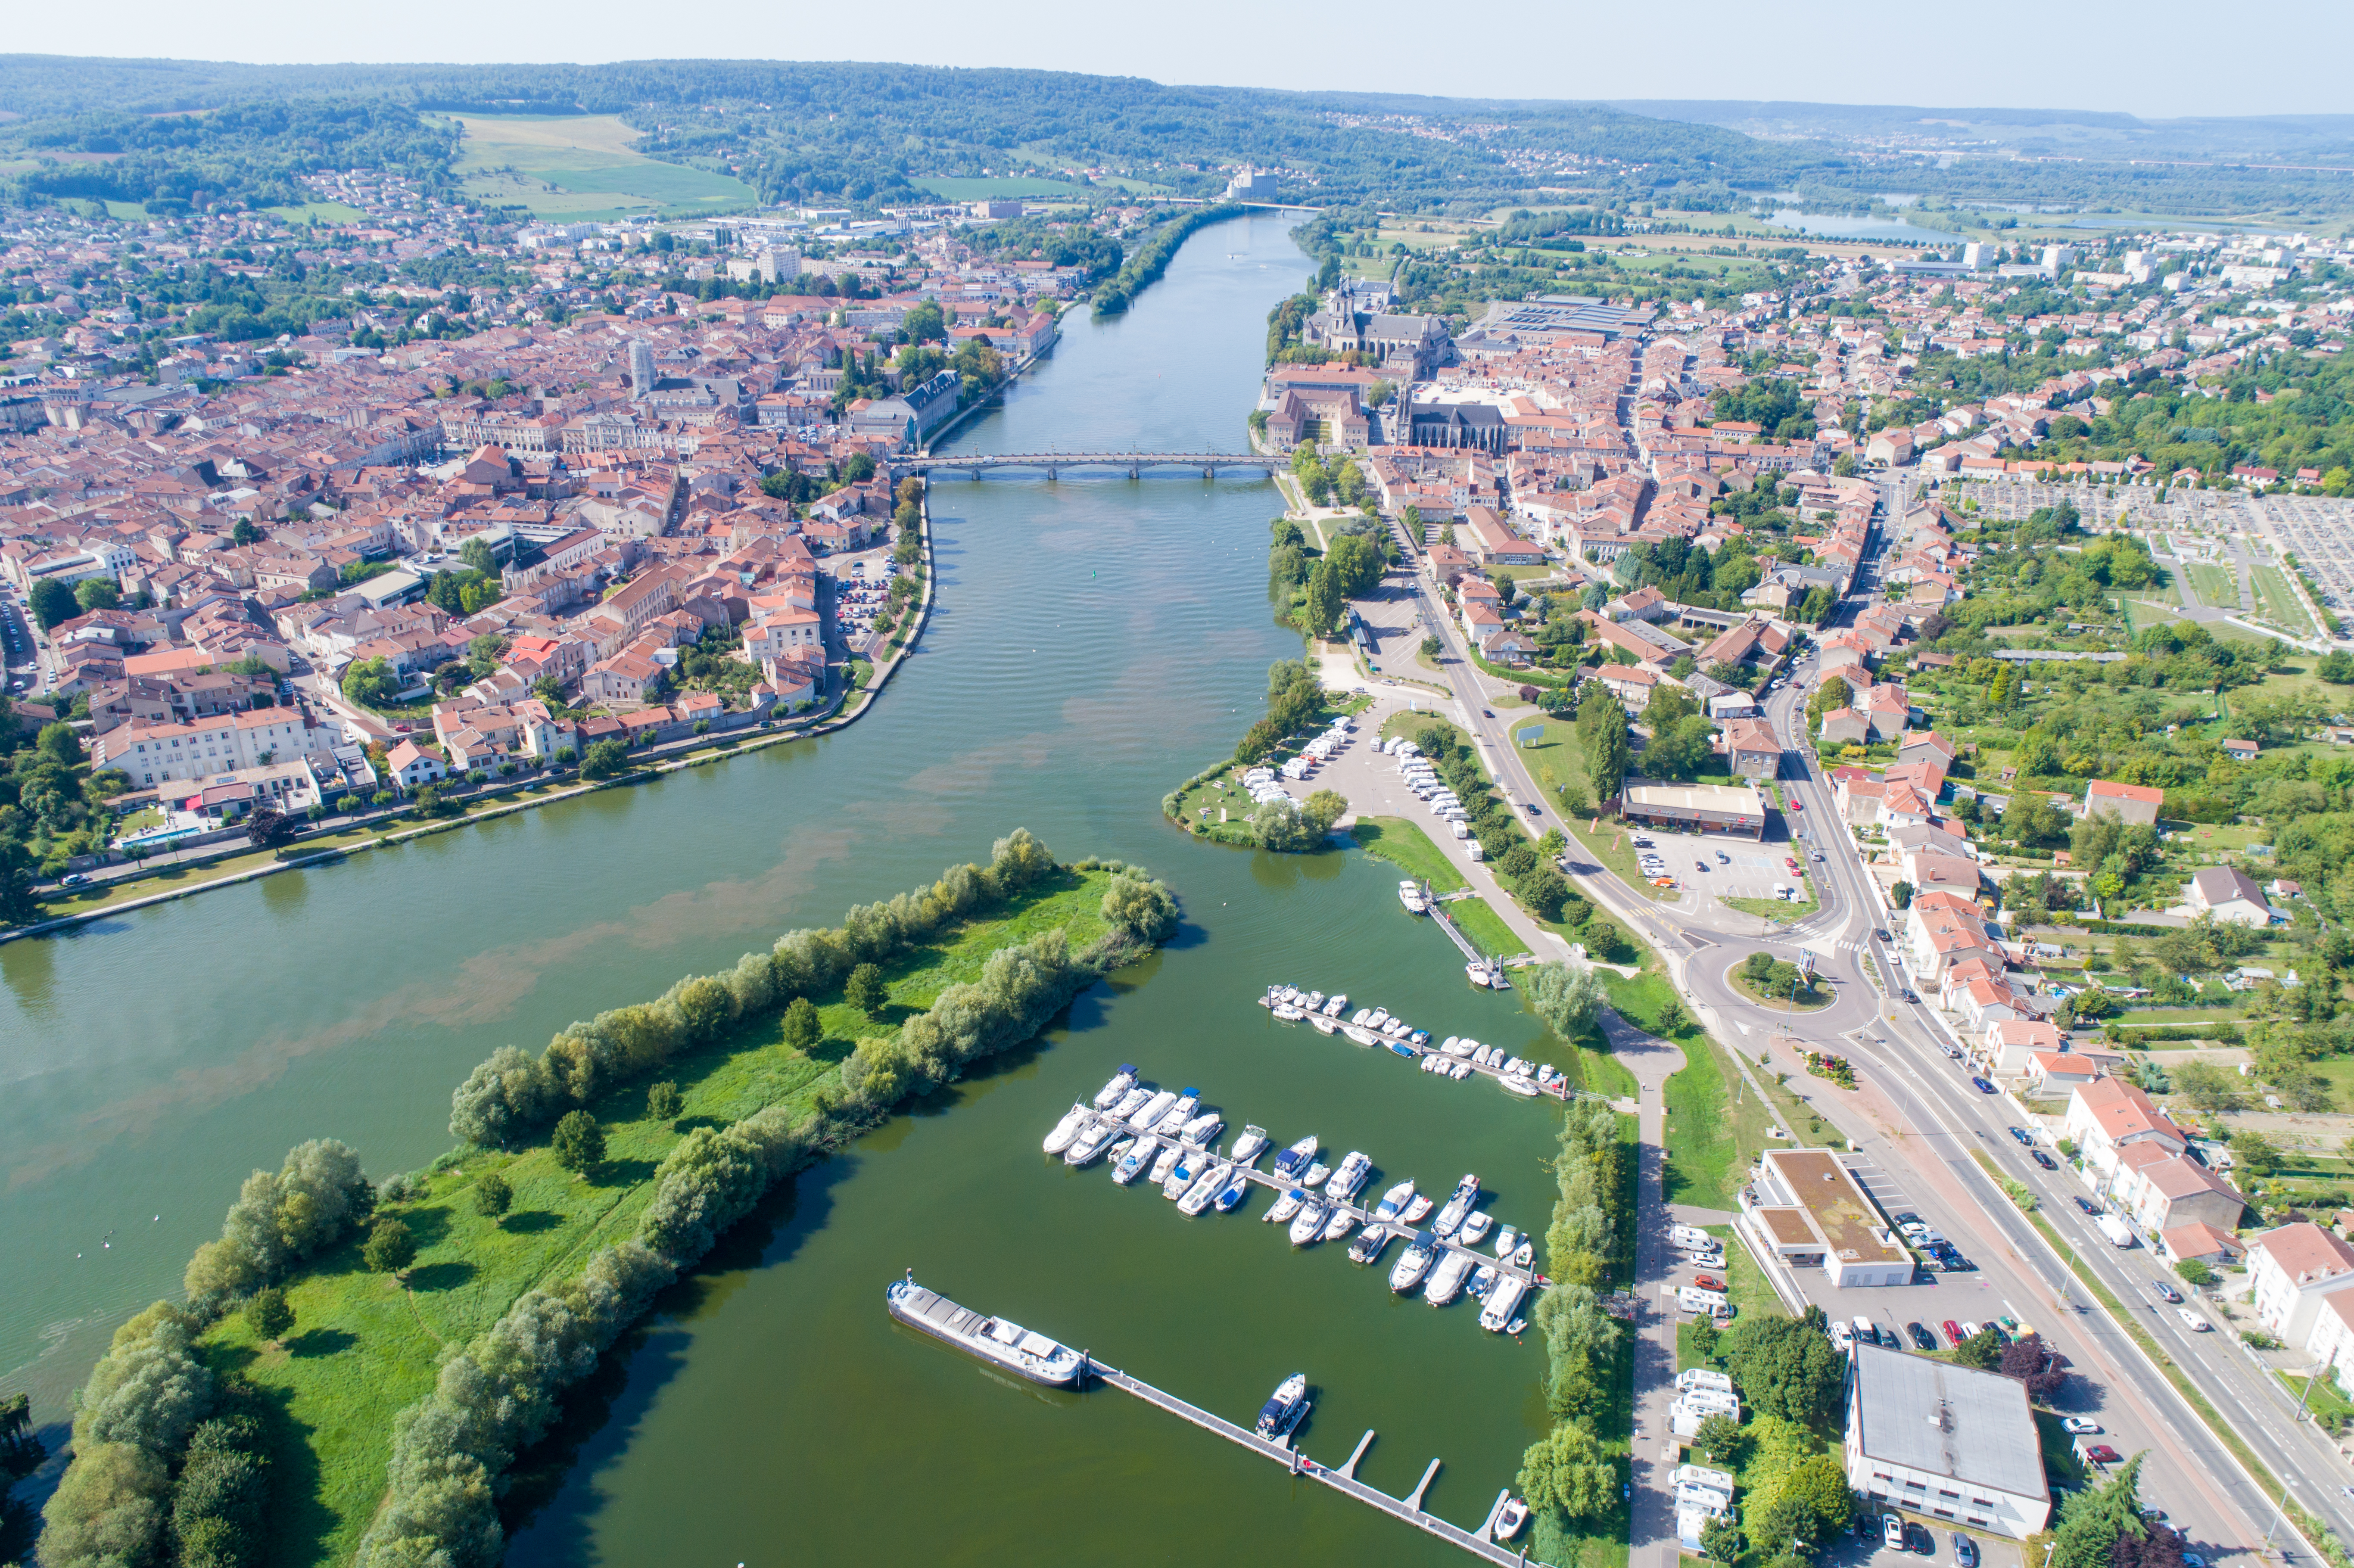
1951	1443
1355	319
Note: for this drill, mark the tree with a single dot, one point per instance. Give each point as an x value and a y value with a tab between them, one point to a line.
1721	1438
1807	1504
493	1195
2026	1359
2254	1153
2336	667
245	533
267	1315
2209	1087
2094	1520
1324	807
663	1102
1787	1366
1565	1470
1982	1349
267	827
1672	1017
369	683
865	991
580	1142
59	744
53	602
802	1028
390	1248
2194	1272
1720	1540
1280	826
1565	998
1901	895
1606	755
606	759
97	593
1678	750
1324	607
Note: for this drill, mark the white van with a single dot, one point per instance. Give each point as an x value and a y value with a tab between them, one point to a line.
1692	1298
1706	1378
1692	1238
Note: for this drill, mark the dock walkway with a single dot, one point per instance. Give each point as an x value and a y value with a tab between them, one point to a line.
1299	1464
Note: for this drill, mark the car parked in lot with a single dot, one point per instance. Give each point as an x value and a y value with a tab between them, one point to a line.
1922	1338
1965	1550
1953	1335
1891	1532
1700	865
2081	1426
1709	1282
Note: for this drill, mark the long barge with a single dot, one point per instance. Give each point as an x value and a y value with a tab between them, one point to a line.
1000	1341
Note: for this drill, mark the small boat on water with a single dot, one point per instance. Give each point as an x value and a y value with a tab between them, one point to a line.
1419	1206
1446	1279
1198	1196
1166	1162
1249	1146
1315	1175
1323	1023
1361	1016
1516	1084
1516	1067
1341	1223
1503	1300
1177	1114
1066	1131
1236	1189
1290	1013
1118	1149
1368	1246
997	1340
1135	1162
1203	1128
1307	1225
1504	1240
1135	1100
1475	1225
1509	1517
1458	1206
1313	1000
1286	1205
1415	1262
1361	1034
1483	1279
1351	1175
1410	894
1185	1173
1337	1005
1282	1413
1525	1255
1462	1071
1121	1082
1404	1050
1295	1160
1393	1202
1089	1144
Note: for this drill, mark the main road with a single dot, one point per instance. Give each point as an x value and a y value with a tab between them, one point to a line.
1940	1123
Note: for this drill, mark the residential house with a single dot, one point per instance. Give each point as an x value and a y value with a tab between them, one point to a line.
2132	803
2109	1116
1753	749
2294	1268
2228	893
2009	1046
411	766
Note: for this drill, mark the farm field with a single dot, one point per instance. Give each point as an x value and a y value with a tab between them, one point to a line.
585	167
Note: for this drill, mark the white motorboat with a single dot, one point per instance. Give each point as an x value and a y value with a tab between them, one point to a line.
1516	1066
1203	1128
1368	1246
1147	1117
1177	1116
1449	1044
1377	1019
1509	1517
1420	1205
1504	1240
1295	1159
1524	1255
1289	993
1313	1000
1352	1176
1323	1023
1336	1005
1341	1223
997	1340
1118	1149
1191	1162
1286	1205
1458	1206
1290	1013
1446	1279
1393	1202
1136	1161
1503	1299
1135	1100
1514	1083
1361	1034
1282	1413
1198	1196
1432	1062
1248	1146
1165	1163
1089	1144
1121	1082
1475	1225
1397	1029
1067	1129
1307	1225
1315	1175
1359	1017
1462	1070
1463	1047
1236	1189
1483	1279
1415	1262
1410	894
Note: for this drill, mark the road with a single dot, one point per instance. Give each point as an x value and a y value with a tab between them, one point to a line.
1937	1120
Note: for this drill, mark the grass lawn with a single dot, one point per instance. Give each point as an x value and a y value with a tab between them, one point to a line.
1558	760
363	1345
577	165
1781	911
1485	928
1412	850
1613	846
1807	999
2277	602
2059	1459
1714	1129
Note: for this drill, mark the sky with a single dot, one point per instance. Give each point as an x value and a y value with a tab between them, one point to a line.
2146	58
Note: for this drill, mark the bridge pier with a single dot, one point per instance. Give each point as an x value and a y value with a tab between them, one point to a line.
1135	471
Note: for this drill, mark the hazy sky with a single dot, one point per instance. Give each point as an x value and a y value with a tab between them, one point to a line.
2153	58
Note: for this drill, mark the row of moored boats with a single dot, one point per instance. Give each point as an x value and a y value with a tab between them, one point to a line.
1455	1057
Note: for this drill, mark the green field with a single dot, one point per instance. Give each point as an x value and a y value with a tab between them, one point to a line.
2218	587
1039	187
321	212
1485	928
363	1345
1715	1129
1412	850
2277	602
584	167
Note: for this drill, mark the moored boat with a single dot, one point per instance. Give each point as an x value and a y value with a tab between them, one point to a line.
1393	1202
1135	1100
1415	1262
1198	1196
1315	1175
1503	1299
1483	1280
1516	1084
1367	1247
1136	1161
1203	1128
997	1340
1410	894
1458	1205
1446	1279
1185	1173
1415	1208
1177	1114
1345	1182
1236	1189
1504	1240
1164	1163
1249	1146
1509	1517
1362	1036
1282	1413
1475	1225
1286	1205
1525	1255
1066	1131
1089	1144
1290	1013
1294	1160
1121	1082
1341	1223
1307	1225
1323	1023
1337	1005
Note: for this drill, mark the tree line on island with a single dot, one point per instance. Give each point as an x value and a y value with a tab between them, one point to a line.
170	1467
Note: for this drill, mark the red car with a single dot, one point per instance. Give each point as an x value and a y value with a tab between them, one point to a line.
2101	1454
1953	1332
1709	1282
1797	804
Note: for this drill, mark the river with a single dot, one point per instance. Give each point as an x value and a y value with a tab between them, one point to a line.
1094	642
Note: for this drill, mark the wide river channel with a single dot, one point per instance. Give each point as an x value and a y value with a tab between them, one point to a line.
1095	642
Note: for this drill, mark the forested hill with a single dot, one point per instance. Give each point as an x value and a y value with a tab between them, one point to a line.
864	133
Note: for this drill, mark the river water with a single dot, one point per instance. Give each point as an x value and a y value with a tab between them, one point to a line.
1095	642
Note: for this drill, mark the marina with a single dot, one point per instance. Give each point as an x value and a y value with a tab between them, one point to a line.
1454	1058
1316	1205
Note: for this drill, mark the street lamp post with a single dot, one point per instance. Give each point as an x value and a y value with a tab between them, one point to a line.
2280	1507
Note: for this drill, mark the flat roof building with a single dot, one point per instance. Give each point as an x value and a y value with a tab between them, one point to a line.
1951	1442
1734	810
1806	1208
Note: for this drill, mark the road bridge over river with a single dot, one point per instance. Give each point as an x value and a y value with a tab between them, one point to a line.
1134	465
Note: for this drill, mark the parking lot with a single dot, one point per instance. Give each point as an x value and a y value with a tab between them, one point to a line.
1728	868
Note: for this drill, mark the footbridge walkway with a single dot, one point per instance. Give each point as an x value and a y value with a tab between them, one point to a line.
1134	465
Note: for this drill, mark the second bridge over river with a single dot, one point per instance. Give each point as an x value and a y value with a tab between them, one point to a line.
1134	465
